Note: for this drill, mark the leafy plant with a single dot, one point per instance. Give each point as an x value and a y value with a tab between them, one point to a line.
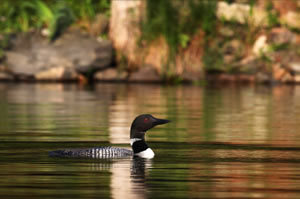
177	22
272	16
213	60
21	15
184	39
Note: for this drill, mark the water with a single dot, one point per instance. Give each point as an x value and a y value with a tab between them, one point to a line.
223	142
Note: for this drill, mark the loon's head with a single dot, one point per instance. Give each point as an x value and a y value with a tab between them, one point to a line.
142	123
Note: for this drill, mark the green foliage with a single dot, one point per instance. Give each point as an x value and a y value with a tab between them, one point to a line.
22	15
229	1
44	12
177	21
279	47
162	19
272	16
63	18
298	51
213	60
87	9
203	14
184	39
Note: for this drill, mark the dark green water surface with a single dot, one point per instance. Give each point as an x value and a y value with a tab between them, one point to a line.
223	142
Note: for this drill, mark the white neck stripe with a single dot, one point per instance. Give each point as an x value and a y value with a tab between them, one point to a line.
133	140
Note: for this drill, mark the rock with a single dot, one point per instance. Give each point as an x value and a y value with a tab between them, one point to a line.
145	74
232	47
189	63
110	74
124	30
240	12
287	78
16	59
260	18
285	6
291	19
261	77
260	46
33	56
232	50
278	72
226	31
233	12
248	60
5	76
57	73
227	78
281	36
249	64
294	67
246	78
100	25
85	52
157	54
297	79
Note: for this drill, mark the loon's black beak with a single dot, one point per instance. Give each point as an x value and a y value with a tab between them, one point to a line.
160	121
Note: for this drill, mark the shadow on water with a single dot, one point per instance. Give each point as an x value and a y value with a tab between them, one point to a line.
223	142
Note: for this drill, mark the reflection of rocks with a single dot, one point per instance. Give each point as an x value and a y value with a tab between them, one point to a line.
34	57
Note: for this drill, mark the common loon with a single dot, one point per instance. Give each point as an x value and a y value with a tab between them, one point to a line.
139	127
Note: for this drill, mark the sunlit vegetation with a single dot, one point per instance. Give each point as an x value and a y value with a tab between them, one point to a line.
24	15
177	21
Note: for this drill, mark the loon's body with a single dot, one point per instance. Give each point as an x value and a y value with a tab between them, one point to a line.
140	125
97	152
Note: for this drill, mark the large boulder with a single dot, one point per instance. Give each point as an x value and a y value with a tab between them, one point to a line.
5	74
32	56
124	30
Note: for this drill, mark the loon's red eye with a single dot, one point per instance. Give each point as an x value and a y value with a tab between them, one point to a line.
146	119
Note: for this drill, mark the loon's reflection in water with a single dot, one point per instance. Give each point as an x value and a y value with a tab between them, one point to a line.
128	176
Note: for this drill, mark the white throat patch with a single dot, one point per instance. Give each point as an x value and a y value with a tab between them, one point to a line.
133	140
148	153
